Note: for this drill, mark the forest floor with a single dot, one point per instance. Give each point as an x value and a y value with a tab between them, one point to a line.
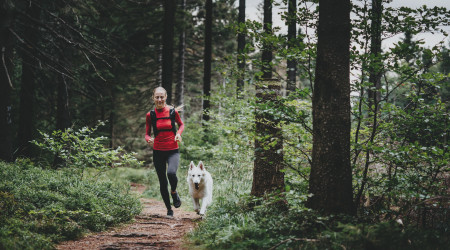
152	229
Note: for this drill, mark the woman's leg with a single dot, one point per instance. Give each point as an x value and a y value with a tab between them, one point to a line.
173	161
159	159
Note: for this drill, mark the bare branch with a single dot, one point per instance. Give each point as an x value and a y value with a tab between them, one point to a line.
6	68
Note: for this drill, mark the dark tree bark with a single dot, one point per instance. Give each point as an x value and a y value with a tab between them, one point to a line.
27	90
6	44
267	48
375	73
179	96
207	60
267	174
167	43
376	64
331	177
240	49
292	35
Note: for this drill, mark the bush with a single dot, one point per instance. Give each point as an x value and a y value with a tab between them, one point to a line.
245	226
81	149
49	206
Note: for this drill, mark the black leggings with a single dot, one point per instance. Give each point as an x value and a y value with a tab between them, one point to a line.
172	159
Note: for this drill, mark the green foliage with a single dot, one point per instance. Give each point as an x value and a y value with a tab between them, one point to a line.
81	149
124	175
235	226
407	158
384	235
242	225
399	151
39	207
404	147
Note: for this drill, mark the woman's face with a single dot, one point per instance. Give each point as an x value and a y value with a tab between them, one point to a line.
160	98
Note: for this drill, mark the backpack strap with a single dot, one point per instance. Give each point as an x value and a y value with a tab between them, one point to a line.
153	118
171	117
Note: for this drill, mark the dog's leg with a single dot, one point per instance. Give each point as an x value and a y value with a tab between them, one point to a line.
209	200
196	205
205	203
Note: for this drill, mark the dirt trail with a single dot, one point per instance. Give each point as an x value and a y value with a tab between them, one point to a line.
152	229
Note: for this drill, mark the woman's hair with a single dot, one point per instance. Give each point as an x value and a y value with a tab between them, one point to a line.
159	88
178	108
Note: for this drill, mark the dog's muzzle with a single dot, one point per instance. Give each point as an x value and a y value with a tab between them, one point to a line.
196	186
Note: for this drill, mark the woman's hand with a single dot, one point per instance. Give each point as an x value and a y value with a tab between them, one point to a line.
151	141
178	138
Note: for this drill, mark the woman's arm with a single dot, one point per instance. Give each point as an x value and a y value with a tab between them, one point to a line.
179	122
148	127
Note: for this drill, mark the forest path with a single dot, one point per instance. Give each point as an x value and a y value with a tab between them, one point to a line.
152	229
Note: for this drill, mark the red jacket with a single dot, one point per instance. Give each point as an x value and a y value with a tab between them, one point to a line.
165	140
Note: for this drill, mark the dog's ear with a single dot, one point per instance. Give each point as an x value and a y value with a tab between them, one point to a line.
201	166
192	165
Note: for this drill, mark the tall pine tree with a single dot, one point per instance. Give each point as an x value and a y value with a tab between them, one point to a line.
330	180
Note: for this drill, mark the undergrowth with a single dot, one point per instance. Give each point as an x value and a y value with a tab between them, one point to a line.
234	221
40	207
244	226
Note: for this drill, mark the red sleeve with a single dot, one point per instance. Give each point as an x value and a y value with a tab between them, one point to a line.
179	122
148	127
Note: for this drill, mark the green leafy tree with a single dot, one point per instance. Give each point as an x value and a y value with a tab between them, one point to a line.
268	176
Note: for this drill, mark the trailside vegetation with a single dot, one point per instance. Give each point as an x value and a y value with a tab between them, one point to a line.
42	204
40	207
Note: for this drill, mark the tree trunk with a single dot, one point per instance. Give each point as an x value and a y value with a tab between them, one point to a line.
167	53
267	48
292	35
179	97
6	44
267	174
27	90
375	73
376	65
240	49
207	60
331	177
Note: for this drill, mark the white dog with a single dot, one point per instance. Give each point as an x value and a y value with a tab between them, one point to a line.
200	187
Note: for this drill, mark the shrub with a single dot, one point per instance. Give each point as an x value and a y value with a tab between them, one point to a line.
243	226
48	206
81	149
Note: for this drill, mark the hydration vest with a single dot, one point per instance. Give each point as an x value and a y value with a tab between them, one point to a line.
171	117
